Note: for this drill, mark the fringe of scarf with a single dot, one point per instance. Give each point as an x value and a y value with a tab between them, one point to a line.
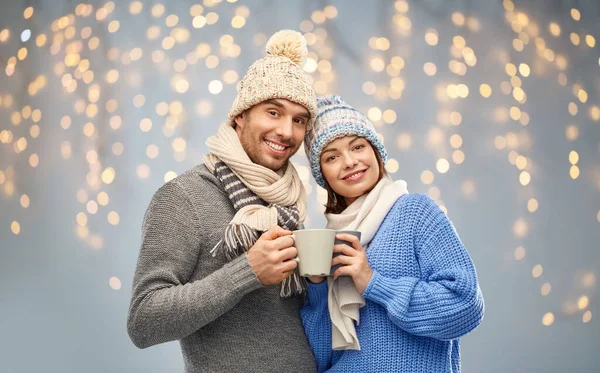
240	237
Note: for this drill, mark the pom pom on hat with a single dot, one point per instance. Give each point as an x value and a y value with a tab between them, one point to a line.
277	75
290	44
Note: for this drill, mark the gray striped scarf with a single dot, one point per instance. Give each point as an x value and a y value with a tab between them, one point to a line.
240	237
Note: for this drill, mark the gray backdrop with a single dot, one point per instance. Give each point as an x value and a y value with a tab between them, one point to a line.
525	206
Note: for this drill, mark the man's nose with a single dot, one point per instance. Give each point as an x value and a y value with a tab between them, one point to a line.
285	128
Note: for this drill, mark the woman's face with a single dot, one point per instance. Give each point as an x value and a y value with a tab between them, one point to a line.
350	167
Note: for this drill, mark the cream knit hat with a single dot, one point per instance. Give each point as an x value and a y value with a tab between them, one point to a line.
277	75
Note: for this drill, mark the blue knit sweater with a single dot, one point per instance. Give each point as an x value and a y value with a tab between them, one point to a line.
422	297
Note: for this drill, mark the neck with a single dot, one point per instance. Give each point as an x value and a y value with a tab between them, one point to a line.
350	200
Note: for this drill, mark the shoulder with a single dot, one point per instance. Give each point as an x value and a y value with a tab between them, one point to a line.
199	176
194	185
416	205
416	212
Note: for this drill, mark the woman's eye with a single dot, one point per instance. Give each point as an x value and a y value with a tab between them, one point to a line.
358	147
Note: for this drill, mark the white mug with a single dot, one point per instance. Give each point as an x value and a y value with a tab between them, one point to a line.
315	250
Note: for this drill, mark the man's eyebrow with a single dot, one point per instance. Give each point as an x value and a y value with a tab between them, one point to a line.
280	105
273	102
305	115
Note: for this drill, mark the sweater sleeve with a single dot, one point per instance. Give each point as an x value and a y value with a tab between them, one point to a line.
445	302
165	306
317	324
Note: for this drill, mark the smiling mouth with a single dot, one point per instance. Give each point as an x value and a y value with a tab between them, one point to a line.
354	175
275	147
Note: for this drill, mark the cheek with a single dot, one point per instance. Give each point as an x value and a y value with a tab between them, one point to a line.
328	173
299	132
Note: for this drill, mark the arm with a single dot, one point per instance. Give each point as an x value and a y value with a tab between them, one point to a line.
164	305
446	302
317	324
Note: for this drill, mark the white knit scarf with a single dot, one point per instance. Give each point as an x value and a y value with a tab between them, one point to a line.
365	215
275	189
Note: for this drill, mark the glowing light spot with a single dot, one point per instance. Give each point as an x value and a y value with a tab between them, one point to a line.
427	177
15	227
113	218
519	253
485	90
442	165
170	175
145	125
548	319
583	302
215	87
108	175
429	68
574	172
532	205
520	228
431	37
537	271
238	22
143	171
114	283
28	12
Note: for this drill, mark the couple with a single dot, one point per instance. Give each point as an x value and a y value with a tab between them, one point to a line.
216	268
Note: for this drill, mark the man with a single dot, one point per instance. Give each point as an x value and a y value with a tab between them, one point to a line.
216	268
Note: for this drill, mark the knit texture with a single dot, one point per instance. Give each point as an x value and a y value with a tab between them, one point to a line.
240	237
423	296
277	75
336	119
224	319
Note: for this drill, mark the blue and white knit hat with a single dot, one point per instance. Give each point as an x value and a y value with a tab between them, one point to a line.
336	119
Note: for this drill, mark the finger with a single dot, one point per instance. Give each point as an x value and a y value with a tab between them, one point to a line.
354	241
275	232
345	249
282	242
288	266
288	253
347	237
345	270
343	260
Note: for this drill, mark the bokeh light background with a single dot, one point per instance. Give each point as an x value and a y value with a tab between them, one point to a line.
490	107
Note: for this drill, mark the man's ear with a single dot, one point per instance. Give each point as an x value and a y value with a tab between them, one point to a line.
239	120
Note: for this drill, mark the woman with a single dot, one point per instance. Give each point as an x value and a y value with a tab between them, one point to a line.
407	290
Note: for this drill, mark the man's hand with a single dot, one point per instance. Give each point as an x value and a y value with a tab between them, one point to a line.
272	256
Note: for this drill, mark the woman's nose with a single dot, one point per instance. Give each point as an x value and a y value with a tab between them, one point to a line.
350	161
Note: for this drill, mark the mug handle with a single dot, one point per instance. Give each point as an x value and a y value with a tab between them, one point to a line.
294	238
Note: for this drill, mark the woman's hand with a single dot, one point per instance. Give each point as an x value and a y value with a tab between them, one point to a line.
354	261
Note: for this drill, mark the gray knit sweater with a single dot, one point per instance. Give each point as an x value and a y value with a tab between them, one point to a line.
225	320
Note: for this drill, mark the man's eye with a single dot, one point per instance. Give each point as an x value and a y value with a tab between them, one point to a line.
273	113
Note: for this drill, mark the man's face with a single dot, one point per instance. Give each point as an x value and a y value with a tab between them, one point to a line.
272	131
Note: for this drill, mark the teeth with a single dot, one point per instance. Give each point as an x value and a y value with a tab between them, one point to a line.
354	176
275	146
